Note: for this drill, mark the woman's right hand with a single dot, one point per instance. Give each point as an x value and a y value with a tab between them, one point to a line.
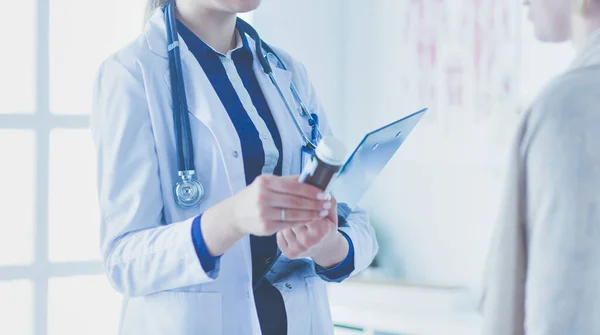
257	210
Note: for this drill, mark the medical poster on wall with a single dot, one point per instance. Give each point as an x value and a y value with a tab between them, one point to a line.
464	54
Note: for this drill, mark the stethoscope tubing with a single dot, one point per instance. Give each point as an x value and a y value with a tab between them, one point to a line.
183	136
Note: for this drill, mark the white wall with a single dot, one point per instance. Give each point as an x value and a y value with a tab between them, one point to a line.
432	219
437	202
426	204
313	32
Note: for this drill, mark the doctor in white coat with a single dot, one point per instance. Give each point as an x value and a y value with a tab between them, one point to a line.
196	270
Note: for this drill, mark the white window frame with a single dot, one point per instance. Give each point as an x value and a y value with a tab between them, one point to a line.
41	121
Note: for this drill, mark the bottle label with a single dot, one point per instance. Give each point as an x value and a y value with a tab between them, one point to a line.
305	156
309	169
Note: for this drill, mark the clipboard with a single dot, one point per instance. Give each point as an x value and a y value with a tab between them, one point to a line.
370	157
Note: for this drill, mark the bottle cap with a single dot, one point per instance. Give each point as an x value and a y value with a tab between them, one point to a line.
331	151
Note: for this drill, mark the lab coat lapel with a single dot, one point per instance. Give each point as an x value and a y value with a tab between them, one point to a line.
205	104
202	100
278	109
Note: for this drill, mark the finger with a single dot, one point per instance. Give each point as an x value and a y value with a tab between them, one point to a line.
305	239
300	229
294	215
281	242
333	213
291	185
282	200
318	228
290	236
293	247
279	226
312	227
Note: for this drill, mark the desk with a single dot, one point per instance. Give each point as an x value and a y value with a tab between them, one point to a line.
395	307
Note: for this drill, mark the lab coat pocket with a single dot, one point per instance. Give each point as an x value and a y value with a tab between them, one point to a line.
320	315
293	290
176	313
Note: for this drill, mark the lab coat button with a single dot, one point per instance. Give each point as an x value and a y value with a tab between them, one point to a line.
235	154
288	286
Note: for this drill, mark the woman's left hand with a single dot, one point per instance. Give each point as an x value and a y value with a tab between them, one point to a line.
318	239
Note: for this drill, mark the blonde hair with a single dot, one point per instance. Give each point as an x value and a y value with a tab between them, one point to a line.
152	6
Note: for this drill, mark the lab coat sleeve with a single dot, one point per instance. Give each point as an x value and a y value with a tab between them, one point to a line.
142	253
210	264
357	226
563	209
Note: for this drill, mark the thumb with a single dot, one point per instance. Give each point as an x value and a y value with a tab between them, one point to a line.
290	178
333	213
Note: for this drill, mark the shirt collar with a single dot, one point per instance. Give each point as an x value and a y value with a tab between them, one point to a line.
199	48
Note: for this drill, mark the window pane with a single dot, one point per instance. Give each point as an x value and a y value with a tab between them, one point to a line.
16	307
73	210
18	36
82	305
82	35
17	196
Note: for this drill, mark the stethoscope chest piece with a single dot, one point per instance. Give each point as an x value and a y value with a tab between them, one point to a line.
188	191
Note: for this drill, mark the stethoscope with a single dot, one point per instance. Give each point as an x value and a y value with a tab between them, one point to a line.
189	192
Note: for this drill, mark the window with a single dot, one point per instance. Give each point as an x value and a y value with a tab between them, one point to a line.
51	277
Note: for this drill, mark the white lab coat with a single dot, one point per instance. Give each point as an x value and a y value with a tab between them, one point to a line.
146	238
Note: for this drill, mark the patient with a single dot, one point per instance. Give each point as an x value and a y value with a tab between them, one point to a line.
543	274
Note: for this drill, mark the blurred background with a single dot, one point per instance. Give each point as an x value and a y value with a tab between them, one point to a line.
474	63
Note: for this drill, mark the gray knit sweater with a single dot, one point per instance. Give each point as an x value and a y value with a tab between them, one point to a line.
543	272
